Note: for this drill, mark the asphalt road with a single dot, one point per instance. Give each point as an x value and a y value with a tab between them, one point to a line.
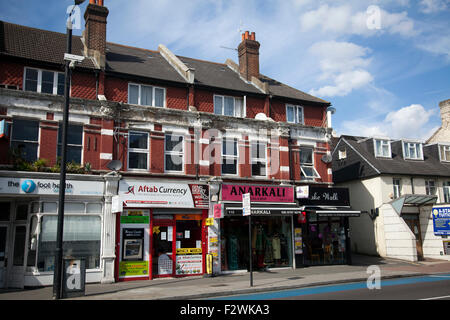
432	287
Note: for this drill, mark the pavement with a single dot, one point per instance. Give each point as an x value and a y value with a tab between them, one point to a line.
203	287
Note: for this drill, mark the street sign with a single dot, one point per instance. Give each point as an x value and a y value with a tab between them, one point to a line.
246	207
441	220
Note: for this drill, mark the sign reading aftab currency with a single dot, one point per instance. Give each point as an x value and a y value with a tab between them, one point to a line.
147	193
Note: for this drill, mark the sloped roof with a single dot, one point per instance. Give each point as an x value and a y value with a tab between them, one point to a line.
48	47
363	152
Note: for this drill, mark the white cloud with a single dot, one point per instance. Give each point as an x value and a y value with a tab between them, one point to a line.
411	122
433	6
344	64
348	20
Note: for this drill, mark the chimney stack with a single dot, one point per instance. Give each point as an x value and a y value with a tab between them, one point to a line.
445	113
94	34
248	52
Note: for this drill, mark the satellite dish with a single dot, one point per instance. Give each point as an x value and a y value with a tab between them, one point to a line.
114	165
327	158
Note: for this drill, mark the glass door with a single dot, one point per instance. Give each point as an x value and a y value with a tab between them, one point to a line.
3	254
162	251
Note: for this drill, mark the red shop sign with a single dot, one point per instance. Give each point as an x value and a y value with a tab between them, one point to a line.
257	193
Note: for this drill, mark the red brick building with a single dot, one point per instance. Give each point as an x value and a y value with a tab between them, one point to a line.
172	122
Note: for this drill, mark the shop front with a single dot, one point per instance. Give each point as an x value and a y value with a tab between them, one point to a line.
321	231
28	223
272	211
161	229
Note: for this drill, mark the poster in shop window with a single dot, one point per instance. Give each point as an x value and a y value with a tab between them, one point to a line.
189	264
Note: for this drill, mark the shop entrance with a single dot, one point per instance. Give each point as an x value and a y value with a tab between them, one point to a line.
413	223
13	226
163	248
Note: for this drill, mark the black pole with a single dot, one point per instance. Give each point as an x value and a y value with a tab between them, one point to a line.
57	277
250	248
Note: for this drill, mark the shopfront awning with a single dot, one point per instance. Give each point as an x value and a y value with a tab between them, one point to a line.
324	211
282	209
412	200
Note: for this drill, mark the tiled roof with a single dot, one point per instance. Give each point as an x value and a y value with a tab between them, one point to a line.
49	47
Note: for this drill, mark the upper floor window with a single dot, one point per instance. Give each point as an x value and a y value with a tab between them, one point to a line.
138	150
412	150
307	163
146	95
174	153
230	156
382	148
25	138
444	151
294	114
259	159
228	106
74	142
446	187
430	187
44	81
397	188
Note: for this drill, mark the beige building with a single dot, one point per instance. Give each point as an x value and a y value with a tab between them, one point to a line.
442	135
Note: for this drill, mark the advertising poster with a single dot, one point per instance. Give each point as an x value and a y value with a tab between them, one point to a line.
189	264
298	240
133	269
441	220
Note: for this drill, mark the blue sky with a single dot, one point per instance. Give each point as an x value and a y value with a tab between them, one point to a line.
383	64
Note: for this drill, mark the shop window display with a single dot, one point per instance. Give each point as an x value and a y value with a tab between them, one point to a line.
271	243
324	240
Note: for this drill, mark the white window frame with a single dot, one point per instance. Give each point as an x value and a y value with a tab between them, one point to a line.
429	187
384	143
442	149
397	188
60	124
308	165
297	110
257	159
407	146
233	157
153	94
236	113
174	153
446	191
39	80
134	150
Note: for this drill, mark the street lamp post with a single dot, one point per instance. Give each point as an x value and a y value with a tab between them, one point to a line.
57	277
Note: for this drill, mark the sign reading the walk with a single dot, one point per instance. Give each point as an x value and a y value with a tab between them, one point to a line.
441	220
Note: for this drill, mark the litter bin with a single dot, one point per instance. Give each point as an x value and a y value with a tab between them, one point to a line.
74	277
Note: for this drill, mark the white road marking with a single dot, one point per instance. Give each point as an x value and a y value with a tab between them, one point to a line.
436	298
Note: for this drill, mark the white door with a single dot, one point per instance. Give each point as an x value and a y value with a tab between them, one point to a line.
3	254
16	267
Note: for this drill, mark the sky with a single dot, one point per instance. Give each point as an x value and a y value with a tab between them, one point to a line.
384	65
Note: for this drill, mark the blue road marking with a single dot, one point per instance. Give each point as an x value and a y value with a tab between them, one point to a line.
333	288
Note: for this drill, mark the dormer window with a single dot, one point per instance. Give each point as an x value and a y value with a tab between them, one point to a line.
382	148
229	106
294	114
412	151
444	152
